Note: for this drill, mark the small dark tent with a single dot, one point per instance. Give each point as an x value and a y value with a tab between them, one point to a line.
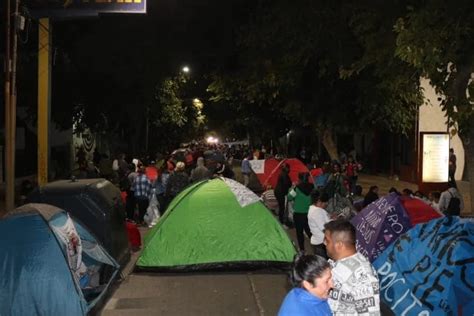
50	264
216	224
97	204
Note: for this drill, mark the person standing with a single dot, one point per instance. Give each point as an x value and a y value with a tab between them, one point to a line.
152	172
123	166
142	191
451	201
281	190
351	168
371	196
317	218
177	181
200	172
131	201
301	195
335	183
356	285
160	189
223	170
246	169
452	165
312	279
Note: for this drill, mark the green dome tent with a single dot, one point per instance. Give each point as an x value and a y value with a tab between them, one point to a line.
216	224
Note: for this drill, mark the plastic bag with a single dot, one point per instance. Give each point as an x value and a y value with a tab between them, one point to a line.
290	210
152	214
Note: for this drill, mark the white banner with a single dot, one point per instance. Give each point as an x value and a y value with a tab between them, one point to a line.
258	166
435	157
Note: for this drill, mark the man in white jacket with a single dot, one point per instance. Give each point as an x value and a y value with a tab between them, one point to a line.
356	289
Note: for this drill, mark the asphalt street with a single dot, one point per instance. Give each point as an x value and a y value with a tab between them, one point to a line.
237	293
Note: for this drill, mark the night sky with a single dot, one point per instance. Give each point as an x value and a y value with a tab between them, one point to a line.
200	34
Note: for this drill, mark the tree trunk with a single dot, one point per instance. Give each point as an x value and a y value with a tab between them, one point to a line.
460	87
329	143
469	158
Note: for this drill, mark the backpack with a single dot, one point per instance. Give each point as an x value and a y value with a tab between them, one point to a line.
454	206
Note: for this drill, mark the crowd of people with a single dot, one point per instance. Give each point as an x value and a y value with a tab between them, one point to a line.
332	278
162	176
335	279
165	175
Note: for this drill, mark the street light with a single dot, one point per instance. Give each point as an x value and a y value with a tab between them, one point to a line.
212	140
198	104
186	69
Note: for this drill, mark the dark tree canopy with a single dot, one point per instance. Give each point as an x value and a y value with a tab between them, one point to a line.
324	65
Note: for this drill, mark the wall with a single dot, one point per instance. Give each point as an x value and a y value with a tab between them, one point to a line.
432	119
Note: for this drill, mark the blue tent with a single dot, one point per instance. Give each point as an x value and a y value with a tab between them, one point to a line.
50	264
430	269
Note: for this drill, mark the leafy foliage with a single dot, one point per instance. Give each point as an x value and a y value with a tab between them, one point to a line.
436	37
323	65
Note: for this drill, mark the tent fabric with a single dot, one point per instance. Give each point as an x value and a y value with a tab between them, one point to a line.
271	170
430	269
97	203
205	227
89	243
243	195
46	210
35	275
419	211
379	224
32	282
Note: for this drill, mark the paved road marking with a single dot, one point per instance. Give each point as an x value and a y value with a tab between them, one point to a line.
261	310
111	304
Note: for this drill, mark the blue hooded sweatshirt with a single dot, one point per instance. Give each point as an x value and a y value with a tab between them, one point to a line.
302	303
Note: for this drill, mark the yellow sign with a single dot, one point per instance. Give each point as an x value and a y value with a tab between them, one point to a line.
79	8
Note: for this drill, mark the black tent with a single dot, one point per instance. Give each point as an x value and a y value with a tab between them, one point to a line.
97	204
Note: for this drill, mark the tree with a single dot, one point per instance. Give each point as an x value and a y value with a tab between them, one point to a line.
436	37
121	82
174	113
325	66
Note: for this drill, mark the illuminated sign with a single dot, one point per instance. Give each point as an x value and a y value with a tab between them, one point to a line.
435	157
79	8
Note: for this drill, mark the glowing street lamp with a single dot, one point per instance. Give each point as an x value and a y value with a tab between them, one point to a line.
186	69
212	140
198	104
